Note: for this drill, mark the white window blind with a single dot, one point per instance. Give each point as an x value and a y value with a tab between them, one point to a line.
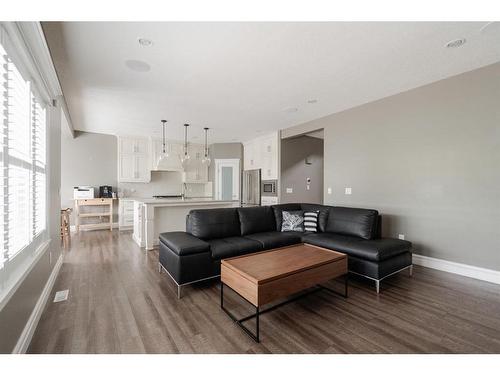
22	170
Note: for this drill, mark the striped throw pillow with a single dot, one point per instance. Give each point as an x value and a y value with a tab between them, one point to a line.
311	221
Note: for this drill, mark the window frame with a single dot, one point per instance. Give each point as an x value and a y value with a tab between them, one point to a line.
15	268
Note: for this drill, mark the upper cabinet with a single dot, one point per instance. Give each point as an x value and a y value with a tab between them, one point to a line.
263	153
269	157
133	159
138	156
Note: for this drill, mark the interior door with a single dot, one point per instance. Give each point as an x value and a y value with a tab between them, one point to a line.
227	179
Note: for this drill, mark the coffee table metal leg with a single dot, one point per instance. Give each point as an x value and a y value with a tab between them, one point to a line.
258	312
255	336
257	322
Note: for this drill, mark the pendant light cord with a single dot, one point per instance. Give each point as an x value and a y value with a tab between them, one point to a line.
163	134
186	139
206	142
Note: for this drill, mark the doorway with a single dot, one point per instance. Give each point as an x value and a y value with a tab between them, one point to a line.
227	179
302	168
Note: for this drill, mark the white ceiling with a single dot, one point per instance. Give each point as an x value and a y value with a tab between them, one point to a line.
239	78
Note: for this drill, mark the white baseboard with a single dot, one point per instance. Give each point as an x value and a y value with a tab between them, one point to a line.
30	327
479	273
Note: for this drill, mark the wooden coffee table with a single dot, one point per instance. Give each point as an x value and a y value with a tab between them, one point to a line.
264	277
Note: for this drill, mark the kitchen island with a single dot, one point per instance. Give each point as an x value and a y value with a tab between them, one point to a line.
153	216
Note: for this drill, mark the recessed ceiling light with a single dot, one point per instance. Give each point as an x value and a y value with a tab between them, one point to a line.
291	110
312	101
145	42
138	66
455	43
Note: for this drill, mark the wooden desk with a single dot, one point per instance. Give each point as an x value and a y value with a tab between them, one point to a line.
99	202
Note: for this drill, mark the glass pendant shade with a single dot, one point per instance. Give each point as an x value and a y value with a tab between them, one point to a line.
166	161
185	157
206	157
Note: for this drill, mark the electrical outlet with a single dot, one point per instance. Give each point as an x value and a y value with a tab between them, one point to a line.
401	236
329	190
348	191
289	190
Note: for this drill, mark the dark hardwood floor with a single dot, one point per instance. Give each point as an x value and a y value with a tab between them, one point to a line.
119	303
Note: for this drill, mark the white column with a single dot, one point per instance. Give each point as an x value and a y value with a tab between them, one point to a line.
149	225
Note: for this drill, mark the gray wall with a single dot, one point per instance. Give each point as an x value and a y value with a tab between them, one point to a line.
15	314
88	159
428	160
224	151
294	170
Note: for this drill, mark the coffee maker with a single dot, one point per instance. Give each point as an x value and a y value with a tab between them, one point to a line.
105	192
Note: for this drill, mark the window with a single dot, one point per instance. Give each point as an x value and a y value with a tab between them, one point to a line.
23	179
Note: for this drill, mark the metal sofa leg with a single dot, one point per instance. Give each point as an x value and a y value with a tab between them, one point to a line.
377	285
179	291
159	267
411	270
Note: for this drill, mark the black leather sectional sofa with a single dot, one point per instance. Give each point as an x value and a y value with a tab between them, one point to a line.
215	234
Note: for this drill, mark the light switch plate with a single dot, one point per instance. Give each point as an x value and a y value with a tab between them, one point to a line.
289	190
348	191
401	236
329	190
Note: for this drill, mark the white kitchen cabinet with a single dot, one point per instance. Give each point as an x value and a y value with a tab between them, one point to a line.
251	155
133	159
268	201
263	153
125	214
138	233
269	157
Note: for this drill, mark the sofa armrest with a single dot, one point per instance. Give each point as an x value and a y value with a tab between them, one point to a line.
183	243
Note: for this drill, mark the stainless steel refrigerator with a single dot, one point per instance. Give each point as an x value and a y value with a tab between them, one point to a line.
250	195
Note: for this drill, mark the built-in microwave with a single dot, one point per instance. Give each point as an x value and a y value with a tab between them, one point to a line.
269	188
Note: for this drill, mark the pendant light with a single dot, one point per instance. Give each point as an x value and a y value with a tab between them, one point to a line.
206	158
164	154
185	156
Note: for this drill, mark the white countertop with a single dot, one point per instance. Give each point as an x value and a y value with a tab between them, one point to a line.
180	201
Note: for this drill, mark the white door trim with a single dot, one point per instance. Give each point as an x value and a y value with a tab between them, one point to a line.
235	163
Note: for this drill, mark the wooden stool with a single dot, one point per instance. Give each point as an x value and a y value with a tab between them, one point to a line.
65	230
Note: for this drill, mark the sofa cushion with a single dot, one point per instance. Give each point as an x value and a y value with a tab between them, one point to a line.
357	222
271	240
278	212
213	223
323	213
256	219
222	248
374	250
311	221
183	243
293	221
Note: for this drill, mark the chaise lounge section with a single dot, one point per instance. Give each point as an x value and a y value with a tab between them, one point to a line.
215	234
